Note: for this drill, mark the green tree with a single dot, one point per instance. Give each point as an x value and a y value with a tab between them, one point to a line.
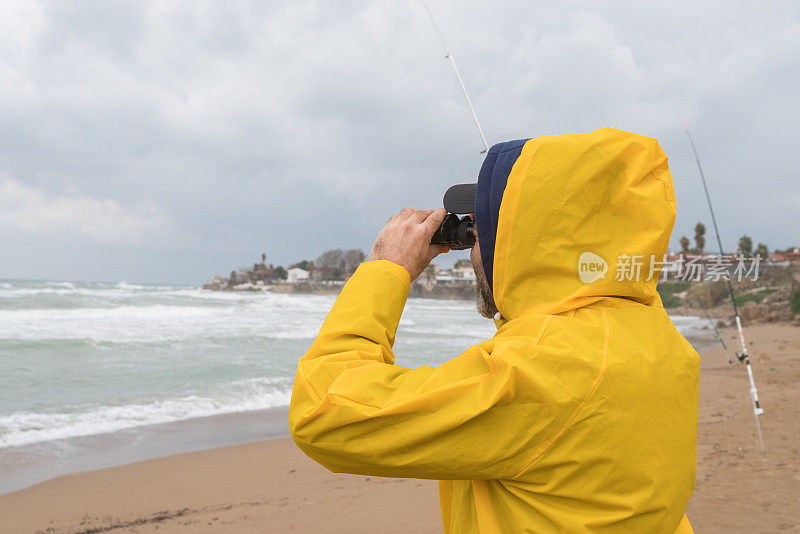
305	265
700	237
762	251
279	272
232	278
263	257
685	243
796	302
746	246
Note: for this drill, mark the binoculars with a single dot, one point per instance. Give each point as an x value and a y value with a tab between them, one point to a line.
456	233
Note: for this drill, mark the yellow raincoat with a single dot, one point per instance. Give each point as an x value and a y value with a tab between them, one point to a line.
580	413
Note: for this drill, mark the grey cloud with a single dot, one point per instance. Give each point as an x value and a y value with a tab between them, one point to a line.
292	127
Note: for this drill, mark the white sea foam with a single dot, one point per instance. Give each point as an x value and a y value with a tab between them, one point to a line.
126	285
23	428
69	285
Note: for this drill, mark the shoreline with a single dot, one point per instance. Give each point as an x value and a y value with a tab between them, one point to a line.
271	485
26	465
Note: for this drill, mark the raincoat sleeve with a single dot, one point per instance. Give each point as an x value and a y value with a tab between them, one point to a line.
354	411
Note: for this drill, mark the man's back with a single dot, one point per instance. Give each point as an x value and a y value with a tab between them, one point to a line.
621	456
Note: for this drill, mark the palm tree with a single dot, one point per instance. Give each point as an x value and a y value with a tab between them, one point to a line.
699	237
685	244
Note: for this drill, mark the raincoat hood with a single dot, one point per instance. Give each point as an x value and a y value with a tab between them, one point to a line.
582	217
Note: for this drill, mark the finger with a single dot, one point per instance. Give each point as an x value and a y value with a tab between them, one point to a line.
405	214
401	215
419	216
435	250
434	220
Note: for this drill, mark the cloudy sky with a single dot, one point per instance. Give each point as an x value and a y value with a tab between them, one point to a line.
168	141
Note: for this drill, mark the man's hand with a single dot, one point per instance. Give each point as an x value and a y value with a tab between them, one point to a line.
406	238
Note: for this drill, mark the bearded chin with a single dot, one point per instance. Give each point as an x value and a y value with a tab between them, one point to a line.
484	299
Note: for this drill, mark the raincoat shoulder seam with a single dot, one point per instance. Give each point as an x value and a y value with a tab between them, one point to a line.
589	394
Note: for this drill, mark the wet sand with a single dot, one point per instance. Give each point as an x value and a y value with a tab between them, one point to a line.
739	489
269	486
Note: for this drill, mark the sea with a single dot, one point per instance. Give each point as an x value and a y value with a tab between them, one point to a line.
95	374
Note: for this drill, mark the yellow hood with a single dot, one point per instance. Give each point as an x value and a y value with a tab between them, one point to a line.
593	197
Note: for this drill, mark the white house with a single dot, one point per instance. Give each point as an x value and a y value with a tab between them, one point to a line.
296	274
464	275
444	276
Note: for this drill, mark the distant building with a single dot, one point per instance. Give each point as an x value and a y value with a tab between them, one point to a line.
444	276
462	275
789	257
295	275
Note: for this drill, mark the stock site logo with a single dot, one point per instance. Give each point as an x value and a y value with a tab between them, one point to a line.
591	267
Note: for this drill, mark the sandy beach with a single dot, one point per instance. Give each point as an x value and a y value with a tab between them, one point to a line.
271	487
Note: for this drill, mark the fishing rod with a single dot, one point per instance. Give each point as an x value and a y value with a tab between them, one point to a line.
717	336
742	354
448	56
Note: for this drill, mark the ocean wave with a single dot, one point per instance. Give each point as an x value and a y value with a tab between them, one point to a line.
161	322
60	296
69	285
126	285
307	333
25	428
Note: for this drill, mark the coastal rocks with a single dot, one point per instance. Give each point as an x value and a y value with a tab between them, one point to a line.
780	296
216	283
221	283
780	315
766	312
249	286
754	313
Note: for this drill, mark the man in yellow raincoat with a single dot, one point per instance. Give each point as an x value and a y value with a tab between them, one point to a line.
580	413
